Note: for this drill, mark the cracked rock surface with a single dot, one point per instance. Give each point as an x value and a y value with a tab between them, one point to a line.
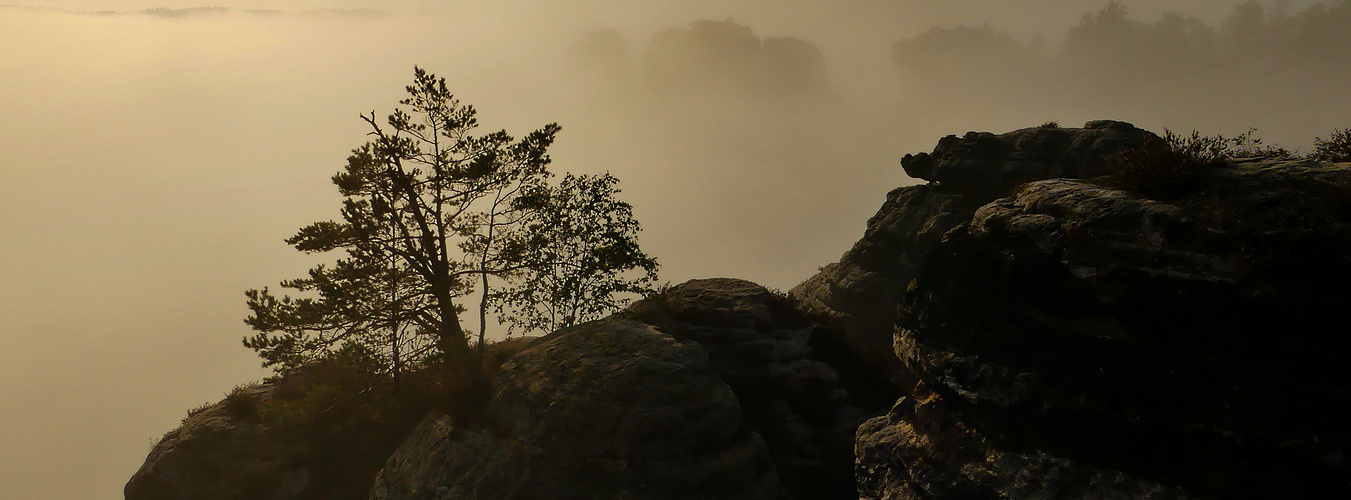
1131	347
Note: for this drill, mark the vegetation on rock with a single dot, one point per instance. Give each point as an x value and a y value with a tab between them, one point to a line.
431	214
1178	166
1337	147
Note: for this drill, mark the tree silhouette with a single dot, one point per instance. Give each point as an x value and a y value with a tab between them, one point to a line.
580	246
431	211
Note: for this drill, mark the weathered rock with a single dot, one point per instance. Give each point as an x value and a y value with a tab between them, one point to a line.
985	166
864	288
222	452
1194	345
319	433
608	409
921	449
799	385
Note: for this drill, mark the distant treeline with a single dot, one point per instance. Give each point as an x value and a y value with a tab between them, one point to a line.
1258	60
720	56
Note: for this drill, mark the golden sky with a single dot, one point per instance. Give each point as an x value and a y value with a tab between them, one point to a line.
152	166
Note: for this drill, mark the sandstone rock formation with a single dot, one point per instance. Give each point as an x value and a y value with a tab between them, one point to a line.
799	385
316	434
1075	341
713	388
865	287
222	452
608	409
985	166
1048	336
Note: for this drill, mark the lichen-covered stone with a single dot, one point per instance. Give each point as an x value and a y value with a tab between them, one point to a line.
800	385
608	409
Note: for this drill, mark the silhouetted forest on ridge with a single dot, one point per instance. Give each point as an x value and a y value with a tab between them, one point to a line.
1259	65
1112	58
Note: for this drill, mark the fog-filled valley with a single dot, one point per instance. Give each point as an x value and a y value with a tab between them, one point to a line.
154	156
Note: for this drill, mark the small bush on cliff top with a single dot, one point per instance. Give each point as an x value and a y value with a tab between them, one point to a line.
241	404
1179	165
1337	147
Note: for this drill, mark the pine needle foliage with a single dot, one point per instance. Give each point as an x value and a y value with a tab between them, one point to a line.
433	214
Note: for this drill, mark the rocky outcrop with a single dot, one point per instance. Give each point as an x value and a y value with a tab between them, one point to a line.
865	287
799	385
984	166
1047	337
319	433
222	452
921	450
714	388
1074	340
608	409
711	389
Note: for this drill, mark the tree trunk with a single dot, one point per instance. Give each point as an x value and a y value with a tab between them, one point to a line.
463	379
483	315
398	360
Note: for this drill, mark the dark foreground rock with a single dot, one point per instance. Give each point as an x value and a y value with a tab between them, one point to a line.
714	388
984	166
1077	341
320	433
864	289
222	452
608	409
799	385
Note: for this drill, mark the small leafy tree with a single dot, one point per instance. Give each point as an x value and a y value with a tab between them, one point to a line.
579	246
431	211
1336	148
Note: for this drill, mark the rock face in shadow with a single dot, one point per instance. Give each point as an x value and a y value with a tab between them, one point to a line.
799	384
1056	338
317	433
714	388
864	289
222	452
608	409
984	166
1074	340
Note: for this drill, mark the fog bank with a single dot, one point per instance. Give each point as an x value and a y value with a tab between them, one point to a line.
153	162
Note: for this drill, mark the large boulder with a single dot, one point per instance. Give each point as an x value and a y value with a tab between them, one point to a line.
607	409
864	288
222	452
318	433
799	385
986	166
1128	347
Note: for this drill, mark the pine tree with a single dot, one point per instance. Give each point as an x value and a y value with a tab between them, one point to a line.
430	212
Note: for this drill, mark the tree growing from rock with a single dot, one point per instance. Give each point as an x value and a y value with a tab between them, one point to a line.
432	214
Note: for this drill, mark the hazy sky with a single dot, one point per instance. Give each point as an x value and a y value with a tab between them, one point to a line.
152	166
